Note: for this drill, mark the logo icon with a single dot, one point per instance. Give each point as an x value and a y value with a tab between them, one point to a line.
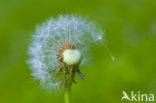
125	96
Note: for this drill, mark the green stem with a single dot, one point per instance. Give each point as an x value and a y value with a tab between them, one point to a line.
68	84
67	96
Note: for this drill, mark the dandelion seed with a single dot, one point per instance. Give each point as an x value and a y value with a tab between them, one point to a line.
59	46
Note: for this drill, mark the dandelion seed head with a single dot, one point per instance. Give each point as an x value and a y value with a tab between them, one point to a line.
53	33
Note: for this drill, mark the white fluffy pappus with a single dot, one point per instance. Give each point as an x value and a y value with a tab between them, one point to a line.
54	32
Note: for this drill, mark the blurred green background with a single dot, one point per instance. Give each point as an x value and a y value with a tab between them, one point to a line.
130	28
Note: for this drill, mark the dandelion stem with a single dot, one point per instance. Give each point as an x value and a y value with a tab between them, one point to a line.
67	96
68	83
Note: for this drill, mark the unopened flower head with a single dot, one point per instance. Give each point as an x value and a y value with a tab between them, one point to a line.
60	44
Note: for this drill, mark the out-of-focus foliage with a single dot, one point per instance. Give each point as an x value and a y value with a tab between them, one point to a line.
130	28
